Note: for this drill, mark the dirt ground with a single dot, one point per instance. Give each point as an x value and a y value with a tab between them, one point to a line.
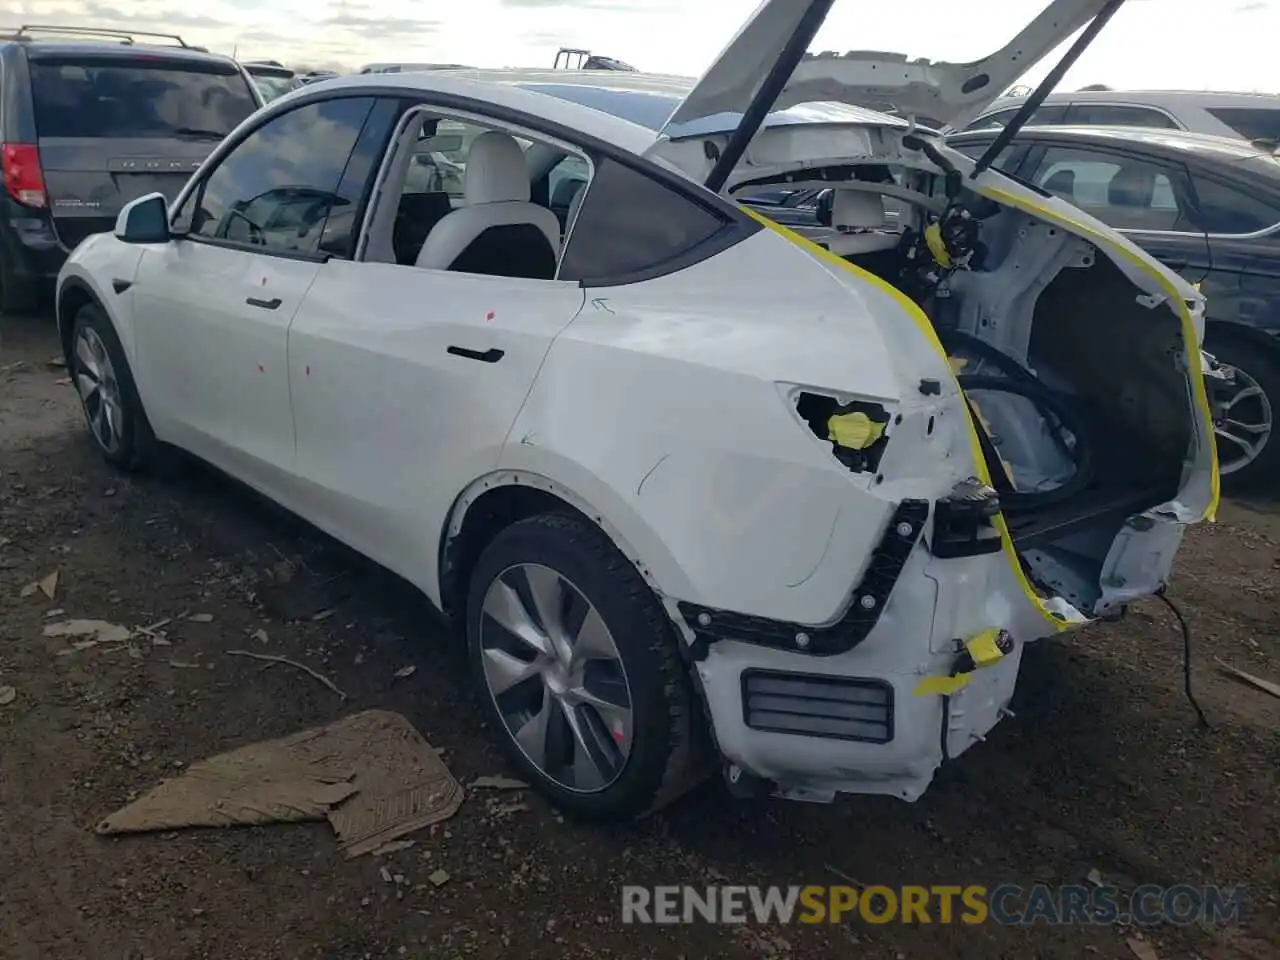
1102	768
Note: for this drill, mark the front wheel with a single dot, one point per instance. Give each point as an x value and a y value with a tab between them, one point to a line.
107	393
1248	454
579	670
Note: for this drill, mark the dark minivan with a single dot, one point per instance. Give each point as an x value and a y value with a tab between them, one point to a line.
89	120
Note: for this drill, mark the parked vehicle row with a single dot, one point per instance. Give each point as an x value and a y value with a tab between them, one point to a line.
273	79
695	490
1207	207
91	120
1247	116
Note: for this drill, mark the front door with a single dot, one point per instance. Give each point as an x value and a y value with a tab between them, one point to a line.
213	307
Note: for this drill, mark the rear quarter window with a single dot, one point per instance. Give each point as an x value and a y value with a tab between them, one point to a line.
116	97
1250	122
1224	209
631	225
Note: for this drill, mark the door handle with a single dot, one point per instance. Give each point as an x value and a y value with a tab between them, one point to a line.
264	304
492	355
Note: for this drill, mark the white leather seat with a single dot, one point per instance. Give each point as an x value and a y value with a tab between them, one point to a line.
498	231
858	216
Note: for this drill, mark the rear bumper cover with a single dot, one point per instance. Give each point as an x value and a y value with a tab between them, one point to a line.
31	250
845	748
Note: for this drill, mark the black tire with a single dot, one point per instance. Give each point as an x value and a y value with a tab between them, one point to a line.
668	735
137	443
1261	363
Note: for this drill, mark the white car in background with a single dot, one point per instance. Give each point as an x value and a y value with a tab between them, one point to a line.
691	486
1241	116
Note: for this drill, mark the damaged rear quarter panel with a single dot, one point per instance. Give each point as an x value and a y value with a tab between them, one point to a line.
680	417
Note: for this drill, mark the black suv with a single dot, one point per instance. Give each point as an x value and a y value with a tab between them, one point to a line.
89	120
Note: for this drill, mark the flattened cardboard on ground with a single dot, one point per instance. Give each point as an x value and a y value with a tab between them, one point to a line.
371	775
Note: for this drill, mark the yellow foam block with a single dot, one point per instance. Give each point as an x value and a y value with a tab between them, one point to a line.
853	431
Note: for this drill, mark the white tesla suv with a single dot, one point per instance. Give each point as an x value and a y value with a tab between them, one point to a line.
691	486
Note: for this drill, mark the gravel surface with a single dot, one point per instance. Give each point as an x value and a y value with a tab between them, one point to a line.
1102	768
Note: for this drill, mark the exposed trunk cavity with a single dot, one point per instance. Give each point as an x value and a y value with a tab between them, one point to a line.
1075	378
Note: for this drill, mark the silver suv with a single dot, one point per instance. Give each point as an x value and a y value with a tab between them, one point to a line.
1246	116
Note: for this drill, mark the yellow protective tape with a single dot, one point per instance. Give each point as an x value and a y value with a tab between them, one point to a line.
945	686
1195	367
853	431
984	649
926	330
937	246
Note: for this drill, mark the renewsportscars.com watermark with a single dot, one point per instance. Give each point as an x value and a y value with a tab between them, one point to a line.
1007	904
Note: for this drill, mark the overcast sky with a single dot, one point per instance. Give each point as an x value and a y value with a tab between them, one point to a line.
1188	44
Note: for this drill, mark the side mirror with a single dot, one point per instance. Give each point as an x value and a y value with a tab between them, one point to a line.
823	212
145	220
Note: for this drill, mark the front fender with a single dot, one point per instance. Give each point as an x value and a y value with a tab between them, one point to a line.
91	273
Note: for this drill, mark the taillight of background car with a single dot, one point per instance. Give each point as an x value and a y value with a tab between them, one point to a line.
23	178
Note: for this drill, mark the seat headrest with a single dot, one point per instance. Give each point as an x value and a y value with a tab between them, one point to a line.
1062	184
496	170
1132	187
857	210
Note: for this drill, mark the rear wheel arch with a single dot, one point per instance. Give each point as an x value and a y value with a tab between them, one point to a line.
494	502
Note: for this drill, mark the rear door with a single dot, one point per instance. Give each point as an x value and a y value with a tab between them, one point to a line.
112	127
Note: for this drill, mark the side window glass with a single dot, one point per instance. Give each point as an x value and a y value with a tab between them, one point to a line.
276	189
1107	115
565	181
1044	116
1122	192
439	163
1047	116
975	150
773	197
459	197
993	121
1221	209
630	223
342	228
1250	123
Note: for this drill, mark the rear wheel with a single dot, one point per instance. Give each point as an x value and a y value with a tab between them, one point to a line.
579	670
107	393
1248	452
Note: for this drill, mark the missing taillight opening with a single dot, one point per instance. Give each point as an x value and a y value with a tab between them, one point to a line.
855	430
23	178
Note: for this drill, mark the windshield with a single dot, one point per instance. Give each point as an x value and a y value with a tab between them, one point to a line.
81	97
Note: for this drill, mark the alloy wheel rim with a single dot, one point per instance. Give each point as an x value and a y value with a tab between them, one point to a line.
95	380
554	673
1243	425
